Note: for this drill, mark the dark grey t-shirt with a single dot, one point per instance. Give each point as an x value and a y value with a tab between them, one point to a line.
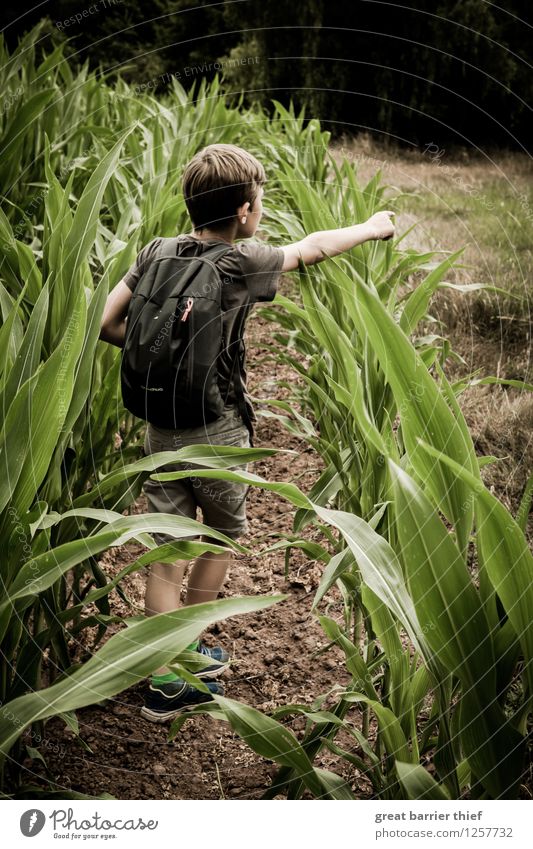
253	269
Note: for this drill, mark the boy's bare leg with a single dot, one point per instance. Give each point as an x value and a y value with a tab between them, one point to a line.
163	591
207	575
163	586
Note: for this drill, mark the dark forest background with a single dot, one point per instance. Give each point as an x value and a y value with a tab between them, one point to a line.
418	71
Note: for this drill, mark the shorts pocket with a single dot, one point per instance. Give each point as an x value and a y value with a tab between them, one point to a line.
223	501
237	437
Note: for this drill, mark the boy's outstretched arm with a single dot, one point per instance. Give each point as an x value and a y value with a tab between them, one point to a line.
325	243
113	325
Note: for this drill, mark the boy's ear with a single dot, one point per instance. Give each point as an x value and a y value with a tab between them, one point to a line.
243	210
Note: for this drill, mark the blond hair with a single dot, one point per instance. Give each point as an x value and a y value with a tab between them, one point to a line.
217	181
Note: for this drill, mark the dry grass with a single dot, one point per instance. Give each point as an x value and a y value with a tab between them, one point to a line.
500	422
483	203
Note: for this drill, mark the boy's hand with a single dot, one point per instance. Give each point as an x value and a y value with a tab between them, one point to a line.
380	225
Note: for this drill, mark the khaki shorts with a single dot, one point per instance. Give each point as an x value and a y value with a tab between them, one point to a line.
223	503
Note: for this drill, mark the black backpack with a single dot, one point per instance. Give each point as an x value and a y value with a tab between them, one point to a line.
174	336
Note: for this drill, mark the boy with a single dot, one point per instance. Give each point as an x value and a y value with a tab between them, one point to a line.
223	190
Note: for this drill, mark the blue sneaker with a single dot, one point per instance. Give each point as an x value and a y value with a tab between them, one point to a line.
165	701
220	663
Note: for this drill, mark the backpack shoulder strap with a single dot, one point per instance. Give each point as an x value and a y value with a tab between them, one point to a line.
235	376
238	378
216	251
168	247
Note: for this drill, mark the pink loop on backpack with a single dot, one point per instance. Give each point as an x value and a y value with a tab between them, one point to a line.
187	310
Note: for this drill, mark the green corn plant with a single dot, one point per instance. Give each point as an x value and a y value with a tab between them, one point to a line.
29	623
290	146
343	390
349	410
64	487
423	586
356	385
125	659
